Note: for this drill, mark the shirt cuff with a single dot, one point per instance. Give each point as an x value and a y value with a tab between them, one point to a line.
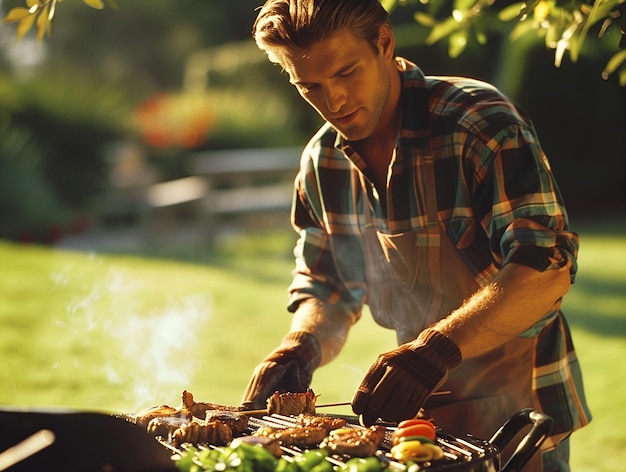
539	258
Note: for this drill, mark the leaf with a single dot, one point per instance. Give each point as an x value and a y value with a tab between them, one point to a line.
481	37
16	14
389	5
600	10
554	34
521	28
33	3
25	25
53	7
457	43
615	62
528	7
96	4
463	5
424	19
441	30
43	22
510	12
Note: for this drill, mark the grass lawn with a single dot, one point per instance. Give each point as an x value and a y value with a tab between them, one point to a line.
118	333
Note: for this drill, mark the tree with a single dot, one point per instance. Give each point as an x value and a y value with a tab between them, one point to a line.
564	24
40	14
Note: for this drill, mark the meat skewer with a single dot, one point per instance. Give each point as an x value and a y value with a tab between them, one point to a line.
323	405
198	409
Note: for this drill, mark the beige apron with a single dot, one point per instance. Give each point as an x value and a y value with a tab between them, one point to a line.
417	278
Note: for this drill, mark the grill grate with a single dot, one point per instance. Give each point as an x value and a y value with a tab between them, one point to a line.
457	451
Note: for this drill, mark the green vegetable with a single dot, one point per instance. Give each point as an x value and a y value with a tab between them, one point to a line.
283	465
245	457
323	466
422	439
362	464
310	459
242	458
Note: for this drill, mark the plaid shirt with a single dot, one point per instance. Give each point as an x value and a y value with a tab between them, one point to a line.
496	199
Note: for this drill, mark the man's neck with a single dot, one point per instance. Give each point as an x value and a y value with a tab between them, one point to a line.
377	149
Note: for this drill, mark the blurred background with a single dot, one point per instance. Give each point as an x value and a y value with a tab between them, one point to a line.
117	100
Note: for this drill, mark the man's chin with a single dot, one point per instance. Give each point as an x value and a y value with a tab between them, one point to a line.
352	134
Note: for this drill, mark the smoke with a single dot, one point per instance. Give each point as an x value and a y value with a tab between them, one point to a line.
146	347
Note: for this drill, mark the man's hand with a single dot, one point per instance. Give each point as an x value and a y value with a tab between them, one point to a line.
289	368
398	383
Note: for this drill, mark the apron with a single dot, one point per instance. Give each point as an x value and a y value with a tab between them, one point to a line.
417	278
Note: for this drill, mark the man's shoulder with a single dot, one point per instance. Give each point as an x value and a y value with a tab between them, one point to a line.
414	77
455	98
472	102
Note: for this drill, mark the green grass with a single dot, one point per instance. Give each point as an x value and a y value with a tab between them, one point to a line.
119	332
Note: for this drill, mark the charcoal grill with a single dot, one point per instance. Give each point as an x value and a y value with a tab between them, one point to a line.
95	442
461	454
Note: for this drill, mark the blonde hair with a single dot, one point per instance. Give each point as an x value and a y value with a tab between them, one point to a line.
295	25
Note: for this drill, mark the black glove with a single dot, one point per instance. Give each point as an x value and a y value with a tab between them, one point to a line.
289	368
398	383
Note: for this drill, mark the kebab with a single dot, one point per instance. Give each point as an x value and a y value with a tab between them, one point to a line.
236	421
164	426
198	409
215	432
289	403
146	415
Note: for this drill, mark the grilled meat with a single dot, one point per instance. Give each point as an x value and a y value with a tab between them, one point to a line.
305	420
297	436
238	422
145	416
198	409
196	432
165	425
361	442
290	403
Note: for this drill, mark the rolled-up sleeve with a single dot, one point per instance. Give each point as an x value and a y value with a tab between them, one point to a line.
522	207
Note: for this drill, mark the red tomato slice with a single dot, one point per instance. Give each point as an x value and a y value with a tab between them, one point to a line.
412	421
427	430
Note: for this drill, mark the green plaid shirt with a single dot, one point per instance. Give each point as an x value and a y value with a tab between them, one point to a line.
496	199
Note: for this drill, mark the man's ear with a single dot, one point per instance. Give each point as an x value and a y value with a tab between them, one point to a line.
386	41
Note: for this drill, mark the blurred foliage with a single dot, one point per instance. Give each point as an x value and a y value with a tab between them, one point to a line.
52	137
70	97
563	24
29	204
72	119
40	15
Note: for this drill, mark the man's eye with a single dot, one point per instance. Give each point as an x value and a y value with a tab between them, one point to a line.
306	87
348	73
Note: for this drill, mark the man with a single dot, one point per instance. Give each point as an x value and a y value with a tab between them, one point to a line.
430	200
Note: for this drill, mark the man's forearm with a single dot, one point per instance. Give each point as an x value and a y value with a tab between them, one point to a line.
518	298
328	323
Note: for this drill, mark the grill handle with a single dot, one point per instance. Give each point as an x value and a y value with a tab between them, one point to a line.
541	427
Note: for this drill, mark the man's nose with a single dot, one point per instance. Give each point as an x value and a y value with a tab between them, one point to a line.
335	98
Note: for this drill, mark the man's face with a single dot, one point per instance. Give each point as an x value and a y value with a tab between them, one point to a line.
346	82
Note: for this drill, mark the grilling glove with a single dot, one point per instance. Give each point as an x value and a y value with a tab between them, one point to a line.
399	381
289	368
